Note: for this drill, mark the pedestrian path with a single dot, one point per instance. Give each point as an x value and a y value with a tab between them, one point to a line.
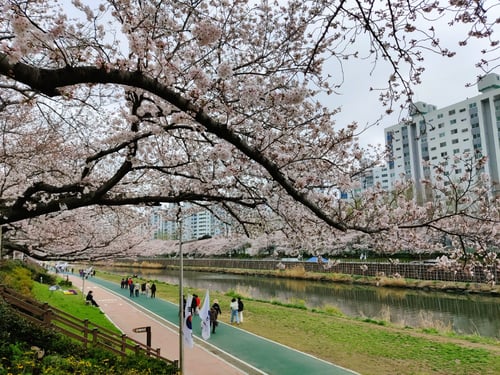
254	353
127	316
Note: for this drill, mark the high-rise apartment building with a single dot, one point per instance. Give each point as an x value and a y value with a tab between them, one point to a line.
195	224
432	134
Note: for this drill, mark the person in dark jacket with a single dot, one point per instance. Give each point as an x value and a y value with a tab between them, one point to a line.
194	305
131	287
90	299
240	309
215	311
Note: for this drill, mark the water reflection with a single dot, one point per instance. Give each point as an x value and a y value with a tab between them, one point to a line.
468	314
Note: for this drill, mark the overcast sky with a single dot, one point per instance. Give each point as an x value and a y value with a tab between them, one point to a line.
444	83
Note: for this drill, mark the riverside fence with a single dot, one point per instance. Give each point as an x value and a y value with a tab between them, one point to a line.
419	271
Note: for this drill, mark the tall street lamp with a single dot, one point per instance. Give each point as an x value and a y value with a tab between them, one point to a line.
181	293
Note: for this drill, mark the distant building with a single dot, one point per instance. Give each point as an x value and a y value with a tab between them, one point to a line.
195	225
164	227
432	134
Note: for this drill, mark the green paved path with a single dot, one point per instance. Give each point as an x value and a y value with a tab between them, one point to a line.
267	356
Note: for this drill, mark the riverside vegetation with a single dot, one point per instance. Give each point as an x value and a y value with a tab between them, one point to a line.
364	345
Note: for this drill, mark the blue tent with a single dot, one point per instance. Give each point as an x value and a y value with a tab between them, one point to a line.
315	260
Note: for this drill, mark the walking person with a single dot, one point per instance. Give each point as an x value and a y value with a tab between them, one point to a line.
233	306
131	287
194	305
153	290
136	289
198	305
215	311
240	309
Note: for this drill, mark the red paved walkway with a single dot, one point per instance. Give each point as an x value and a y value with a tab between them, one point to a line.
126	316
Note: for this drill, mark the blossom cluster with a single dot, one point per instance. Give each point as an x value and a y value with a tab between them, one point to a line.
206	32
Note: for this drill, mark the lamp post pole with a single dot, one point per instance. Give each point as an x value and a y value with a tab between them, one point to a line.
181	293
83	284
1	242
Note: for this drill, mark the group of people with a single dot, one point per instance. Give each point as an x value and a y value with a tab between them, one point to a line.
147	288
195	304
236	307
85	273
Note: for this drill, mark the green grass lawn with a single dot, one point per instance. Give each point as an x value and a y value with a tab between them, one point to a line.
72	304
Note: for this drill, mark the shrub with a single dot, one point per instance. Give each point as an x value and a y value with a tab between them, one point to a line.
15	329
18	278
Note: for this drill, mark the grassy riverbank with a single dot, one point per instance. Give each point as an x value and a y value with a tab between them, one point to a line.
299	273
366	346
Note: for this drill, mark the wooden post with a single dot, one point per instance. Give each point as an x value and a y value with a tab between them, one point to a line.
86	333
47	315
148	337
124	342
95	331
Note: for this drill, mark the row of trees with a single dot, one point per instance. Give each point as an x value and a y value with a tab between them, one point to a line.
105	111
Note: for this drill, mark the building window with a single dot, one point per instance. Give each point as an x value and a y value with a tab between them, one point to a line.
442	144
452	112
440	115
454	131
454	121
454	141
441	125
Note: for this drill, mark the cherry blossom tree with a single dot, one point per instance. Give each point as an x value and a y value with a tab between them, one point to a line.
85	234
216	103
